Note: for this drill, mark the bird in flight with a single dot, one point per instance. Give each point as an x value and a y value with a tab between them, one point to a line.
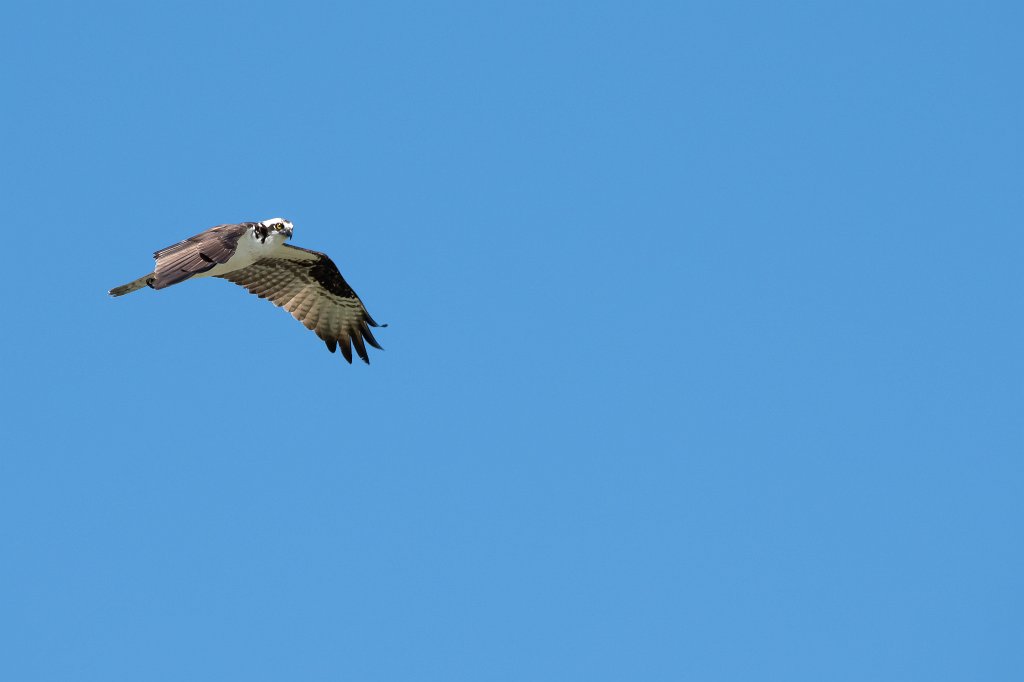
254	255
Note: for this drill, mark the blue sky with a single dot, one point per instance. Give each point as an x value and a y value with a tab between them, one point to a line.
704	357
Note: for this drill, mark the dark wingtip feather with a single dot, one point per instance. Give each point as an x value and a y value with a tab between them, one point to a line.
373	323
368	337
357	341
346	349
332	345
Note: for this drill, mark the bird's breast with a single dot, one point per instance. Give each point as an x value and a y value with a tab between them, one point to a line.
250	249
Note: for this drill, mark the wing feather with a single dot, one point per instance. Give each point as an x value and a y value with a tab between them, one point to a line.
314	315
309	286
346	349
197	254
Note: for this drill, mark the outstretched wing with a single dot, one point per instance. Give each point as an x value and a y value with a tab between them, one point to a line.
309	286
196	254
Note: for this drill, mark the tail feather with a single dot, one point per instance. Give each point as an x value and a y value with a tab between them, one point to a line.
134	285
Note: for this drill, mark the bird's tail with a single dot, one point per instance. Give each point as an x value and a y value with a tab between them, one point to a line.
134	285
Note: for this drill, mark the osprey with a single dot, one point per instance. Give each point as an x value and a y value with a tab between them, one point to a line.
254	255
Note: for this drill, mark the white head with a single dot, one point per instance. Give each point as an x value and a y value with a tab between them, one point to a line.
278	226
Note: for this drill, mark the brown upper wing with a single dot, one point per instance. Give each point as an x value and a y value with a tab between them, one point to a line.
309	286
196	254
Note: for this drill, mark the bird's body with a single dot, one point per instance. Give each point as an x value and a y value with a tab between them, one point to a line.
250	249
256	256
